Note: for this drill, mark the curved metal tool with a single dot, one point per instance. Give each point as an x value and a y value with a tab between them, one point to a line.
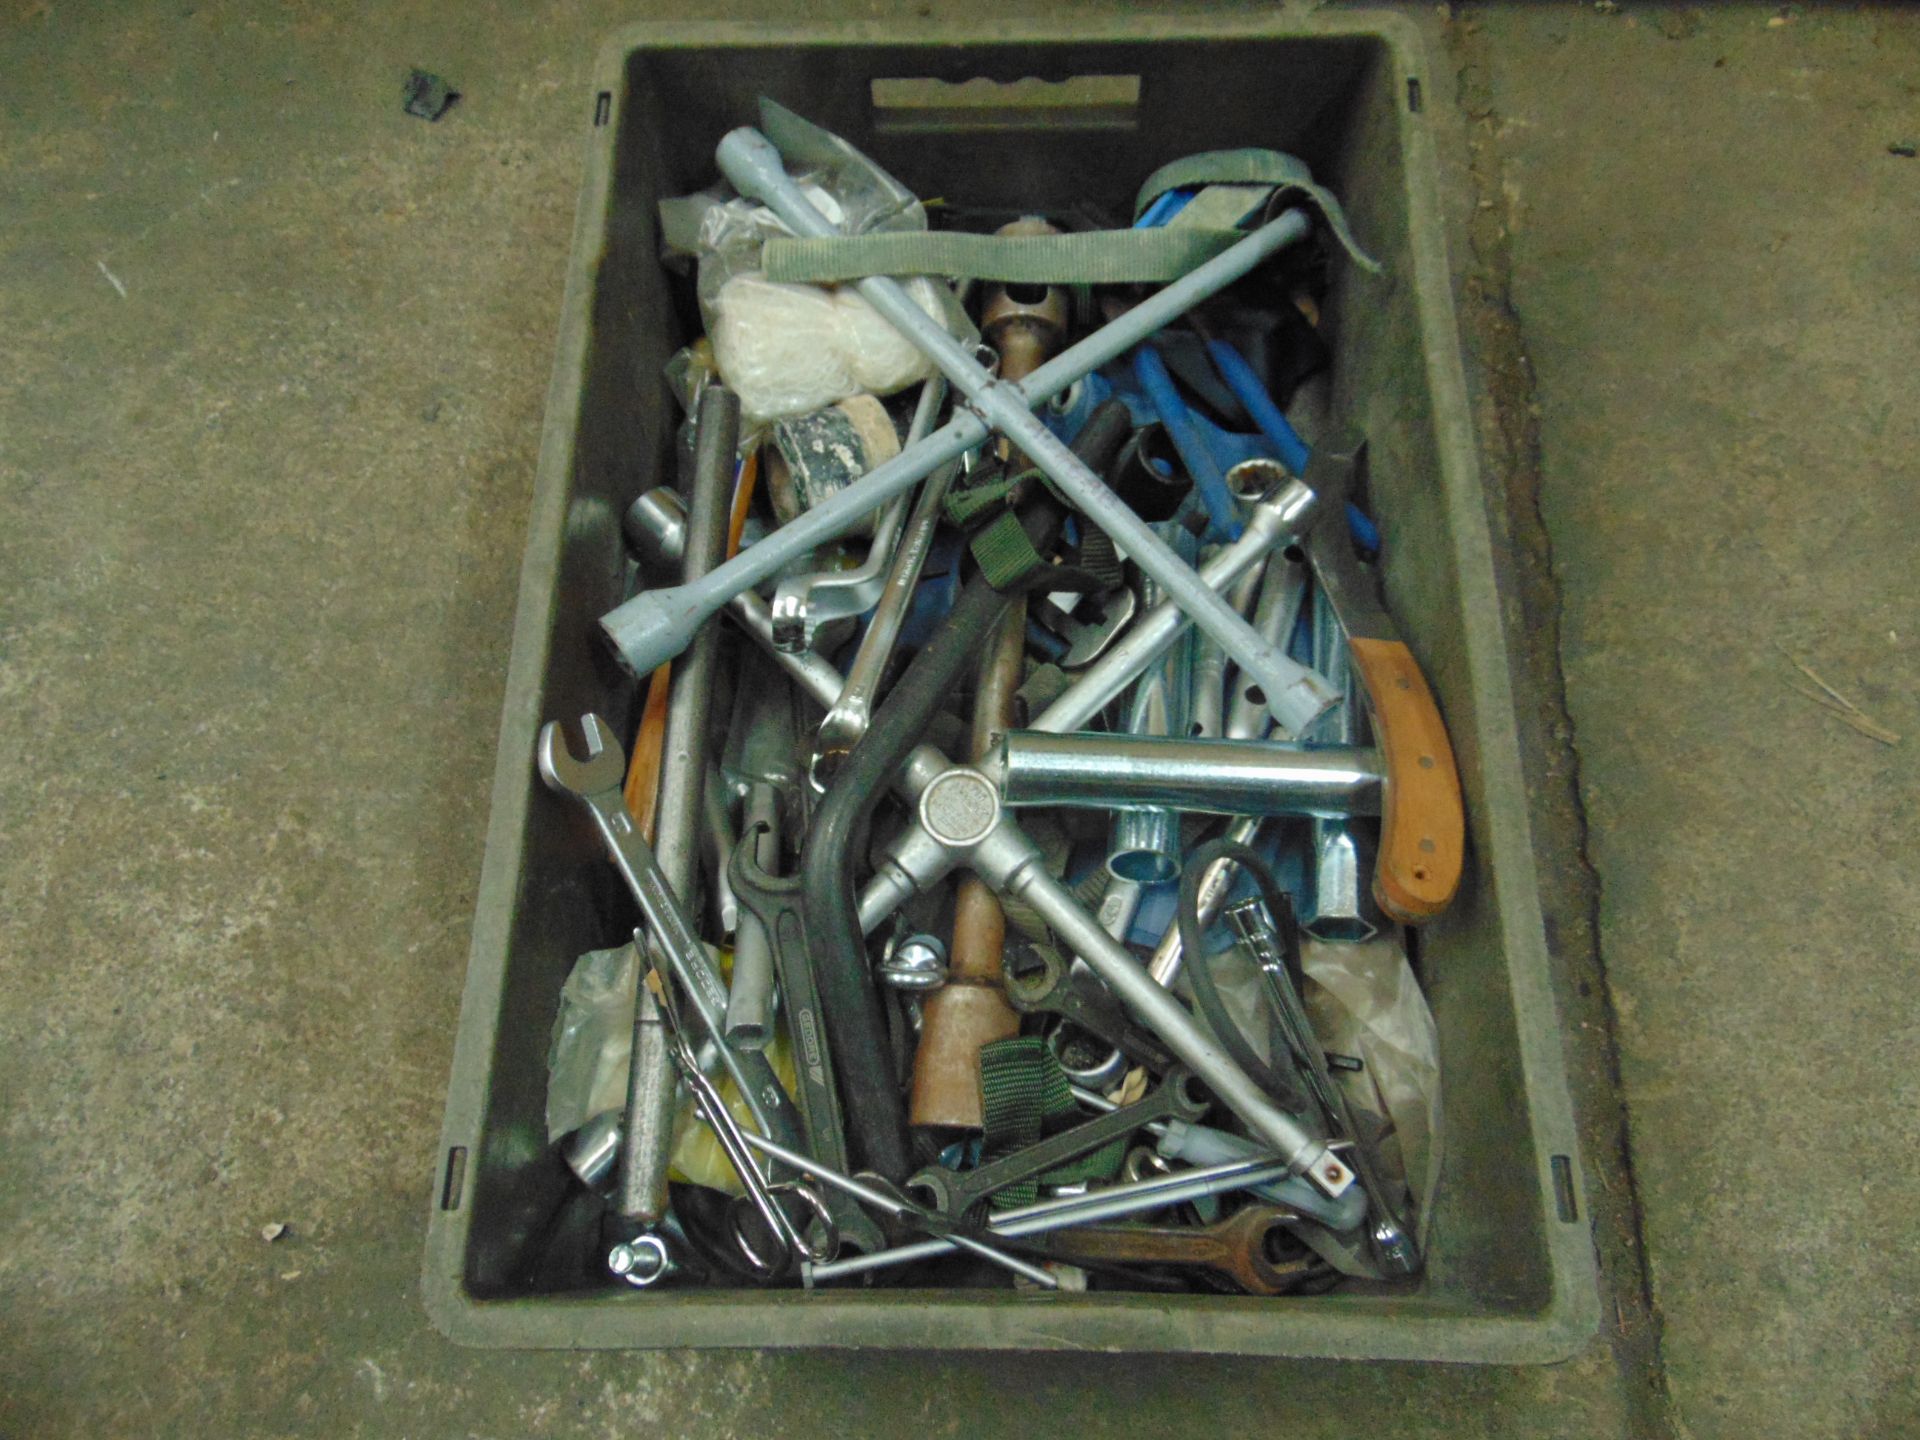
954	1193
803	603
595	782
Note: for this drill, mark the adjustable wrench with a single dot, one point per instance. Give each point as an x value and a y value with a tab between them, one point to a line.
955	1193
596	783
1238	1248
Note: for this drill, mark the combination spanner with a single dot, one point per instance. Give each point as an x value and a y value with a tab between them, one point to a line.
954	1193
596	783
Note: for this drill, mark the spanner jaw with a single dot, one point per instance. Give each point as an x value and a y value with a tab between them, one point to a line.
603	769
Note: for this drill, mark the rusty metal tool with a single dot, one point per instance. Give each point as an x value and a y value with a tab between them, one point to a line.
1423	824
1253	1248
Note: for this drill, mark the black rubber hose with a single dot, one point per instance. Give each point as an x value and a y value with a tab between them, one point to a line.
1206	993
870	1094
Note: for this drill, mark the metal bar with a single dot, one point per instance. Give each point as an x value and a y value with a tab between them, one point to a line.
1273	519
1047	1215
1218	777
1295	694
641	1191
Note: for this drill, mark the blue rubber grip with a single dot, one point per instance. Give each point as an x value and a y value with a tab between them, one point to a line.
1154	378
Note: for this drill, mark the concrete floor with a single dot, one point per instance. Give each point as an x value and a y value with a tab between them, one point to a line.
272	365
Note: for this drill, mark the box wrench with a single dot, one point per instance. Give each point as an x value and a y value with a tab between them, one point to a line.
1295	694
1009	860
1038	981
657	624
851	711
803	603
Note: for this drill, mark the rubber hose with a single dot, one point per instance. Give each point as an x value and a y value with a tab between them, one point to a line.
1206	993
856	1027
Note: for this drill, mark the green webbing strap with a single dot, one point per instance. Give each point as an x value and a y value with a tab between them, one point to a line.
1098	557
1087	257
969	503
1024	1095
1287	174
1005	554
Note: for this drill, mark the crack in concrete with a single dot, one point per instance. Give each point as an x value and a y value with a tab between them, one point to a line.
1510	427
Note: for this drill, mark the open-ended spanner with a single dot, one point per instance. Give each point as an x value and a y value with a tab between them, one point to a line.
595	782
1238	1248
954	1193
1039	981
776	901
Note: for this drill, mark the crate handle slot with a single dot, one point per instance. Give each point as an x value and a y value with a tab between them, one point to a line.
924	104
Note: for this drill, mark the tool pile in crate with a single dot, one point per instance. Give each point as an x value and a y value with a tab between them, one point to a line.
1029	787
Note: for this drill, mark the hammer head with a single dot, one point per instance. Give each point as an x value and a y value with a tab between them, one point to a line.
604	768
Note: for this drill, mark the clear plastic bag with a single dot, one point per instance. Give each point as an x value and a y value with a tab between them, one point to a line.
589	1055
592	1038
793	349
1363	1001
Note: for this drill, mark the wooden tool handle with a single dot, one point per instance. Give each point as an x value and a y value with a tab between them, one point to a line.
1423	826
